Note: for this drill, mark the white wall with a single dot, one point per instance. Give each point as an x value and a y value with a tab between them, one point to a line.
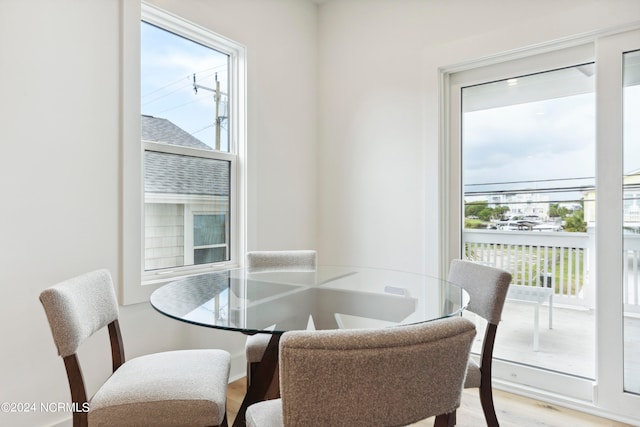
60	170
378	187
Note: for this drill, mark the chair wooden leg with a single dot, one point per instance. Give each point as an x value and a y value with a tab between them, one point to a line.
445	420
486	399
262	380
486	389
78	392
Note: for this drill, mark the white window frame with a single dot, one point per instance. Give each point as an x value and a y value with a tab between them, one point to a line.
189	245
135	285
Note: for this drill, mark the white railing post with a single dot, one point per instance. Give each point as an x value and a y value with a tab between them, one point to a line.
631	259
589	287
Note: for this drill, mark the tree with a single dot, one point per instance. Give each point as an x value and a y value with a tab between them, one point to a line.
480	209
474	208
485	214
576	222
499	211
555	211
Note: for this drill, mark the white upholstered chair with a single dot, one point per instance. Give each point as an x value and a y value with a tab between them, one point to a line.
369	377
174	388
257	261
487	287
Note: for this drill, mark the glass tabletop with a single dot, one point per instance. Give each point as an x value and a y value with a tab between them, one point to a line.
328	297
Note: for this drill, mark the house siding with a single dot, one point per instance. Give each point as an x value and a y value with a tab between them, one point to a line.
164	235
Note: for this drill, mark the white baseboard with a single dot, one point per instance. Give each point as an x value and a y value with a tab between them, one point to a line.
563	401
238	366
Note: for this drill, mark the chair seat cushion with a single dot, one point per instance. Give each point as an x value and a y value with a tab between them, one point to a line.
255	347
472	380
265	414
186	387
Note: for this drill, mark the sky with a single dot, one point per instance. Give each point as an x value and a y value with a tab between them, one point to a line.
529	144
632	128
542	144
168	63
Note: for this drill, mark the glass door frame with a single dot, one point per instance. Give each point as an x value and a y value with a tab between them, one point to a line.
609	234
606	394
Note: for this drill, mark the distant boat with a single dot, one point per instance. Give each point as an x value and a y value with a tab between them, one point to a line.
548	226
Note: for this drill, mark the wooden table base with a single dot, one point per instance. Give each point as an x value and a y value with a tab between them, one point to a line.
264	383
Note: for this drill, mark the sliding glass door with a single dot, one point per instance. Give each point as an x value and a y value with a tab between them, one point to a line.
528	174
544	158
618	154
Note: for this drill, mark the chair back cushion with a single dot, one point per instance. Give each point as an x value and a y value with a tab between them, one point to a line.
298	260
78	307
487	287
365	377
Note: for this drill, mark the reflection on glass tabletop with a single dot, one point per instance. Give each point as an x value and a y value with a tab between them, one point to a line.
328	297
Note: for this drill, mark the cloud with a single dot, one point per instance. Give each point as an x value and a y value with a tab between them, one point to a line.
548	139
168	63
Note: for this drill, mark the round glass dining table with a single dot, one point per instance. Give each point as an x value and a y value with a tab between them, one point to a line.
274	301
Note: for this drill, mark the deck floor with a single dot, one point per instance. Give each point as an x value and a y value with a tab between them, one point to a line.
568	347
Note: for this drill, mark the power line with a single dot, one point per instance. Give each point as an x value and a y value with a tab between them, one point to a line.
166	94
163	87
178	106
186	85
188	77
204	128
531	181
581	188
530	203
571	189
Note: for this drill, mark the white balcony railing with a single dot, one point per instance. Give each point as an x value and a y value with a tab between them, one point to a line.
562	261
632	273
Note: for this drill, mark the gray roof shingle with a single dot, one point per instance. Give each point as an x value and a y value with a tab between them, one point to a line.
169	173
157	129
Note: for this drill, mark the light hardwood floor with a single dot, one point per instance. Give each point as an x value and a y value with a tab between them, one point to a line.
513	411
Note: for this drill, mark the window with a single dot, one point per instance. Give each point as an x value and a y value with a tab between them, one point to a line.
188	158
182	138
209	238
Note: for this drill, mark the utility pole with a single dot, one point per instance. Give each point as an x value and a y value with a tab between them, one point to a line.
217	96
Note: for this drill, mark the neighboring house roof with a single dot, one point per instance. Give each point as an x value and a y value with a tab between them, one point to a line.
165	172
157	129
632	177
